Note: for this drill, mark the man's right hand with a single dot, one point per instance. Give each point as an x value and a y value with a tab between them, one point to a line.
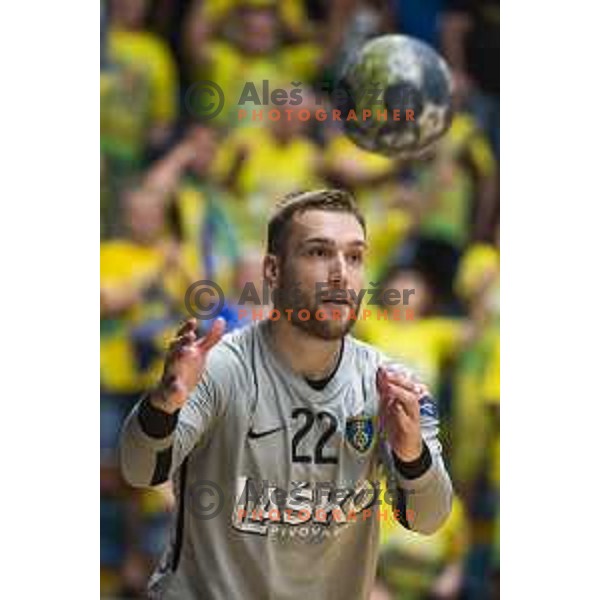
184	365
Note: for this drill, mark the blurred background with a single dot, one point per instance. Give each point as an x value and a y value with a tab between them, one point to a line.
184	199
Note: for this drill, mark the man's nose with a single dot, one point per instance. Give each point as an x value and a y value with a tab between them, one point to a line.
338	272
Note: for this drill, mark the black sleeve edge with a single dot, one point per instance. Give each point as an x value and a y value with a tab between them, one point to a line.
414	468
154	422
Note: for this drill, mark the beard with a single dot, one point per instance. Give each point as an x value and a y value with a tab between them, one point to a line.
292	298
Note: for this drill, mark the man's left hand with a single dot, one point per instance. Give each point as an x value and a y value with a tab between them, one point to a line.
399	398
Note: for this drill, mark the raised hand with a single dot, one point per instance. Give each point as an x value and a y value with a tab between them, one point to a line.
399	406
184	365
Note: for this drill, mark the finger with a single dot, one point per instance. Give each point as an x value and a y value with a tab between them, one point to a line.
402	379
380	380
213	336
388	391
403	417
398	393
384	394
186	338
394	410
189	325
383	401
179	346
408	400
397	420
183	343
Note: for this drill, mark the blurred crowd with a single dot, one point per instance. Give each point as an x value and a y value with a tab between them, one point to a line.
185	198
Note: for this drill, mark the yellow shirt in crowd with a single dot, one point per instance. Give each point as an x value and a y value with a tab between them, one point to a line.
291	12
124	263
269	171
232	69
138	91
424	345
449	215
387	224
475	436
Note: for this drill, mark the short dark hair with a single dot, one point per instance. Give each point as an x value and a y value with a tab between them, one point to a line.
299	202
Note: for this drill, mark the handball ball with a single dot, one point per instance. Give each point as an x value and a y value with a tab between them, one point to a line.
400	91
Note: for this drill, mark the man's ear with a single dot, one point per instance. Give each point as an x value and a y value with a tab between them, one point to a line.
271	270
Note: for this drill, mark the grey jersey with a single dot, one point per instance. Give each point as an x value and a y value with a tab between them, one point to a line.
277	482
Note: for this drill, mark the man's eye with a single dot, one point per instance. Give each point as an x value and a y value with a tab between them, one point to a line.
355	259
319	252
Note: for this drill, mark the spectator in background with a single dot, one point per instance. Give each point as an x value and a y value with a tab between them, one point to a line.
186	178
373	181
422	341
471	43
360	21
291	13
260	165
475	440
143	277
147	62
244	304
254	52
452	200
138	106
472	420
370	176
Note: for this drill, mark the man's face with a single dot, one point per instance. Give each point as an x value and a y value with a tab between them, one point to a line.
418	301
259	31
144	214
131	13
289	125
323	260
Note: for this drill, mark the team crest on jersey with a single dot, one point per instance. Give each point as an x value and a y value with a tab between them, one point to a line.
360	432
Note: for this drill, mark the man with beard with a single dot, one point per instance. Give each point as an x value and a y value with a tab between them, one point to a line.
277	435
